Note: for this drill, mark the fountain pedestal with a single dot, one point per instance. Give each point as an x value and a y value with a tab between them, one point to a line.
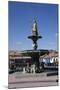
35	60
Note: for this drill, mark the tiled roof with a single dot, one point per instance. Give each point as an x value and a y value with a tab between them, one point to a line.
50	55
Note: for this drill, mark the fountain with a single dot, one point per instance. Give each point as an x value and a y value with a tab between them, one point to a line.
35	53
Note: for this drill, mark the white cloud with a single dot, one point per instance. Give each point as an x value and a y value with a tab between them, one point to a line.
56	34
18	43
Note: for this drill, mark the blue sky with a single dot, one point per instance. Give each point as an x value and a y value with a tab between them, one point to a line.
21	18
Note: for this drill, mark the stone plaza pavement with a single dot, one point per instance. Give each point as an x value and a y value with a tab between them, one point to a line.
18	80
